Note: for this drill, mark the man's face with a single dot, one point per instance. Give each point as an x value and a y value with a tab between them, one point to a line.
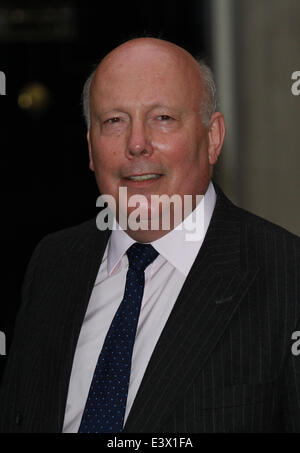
146	120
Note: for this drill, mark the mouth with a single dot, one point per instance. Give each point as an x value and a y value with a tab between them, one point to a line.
145	177
142	180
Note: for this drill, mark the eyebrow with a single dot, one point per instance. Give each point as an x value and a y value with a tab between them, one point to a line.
120	109
164	106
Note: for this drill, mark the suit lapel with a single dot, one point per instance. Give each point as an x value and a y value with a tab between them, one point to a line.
209	298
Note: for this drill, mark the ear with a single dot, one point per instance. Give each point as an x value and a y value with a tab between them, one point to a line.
216	135
91	164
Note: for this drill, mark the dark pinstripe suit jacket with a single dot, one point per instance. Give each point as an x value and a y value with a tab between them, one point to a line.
223	362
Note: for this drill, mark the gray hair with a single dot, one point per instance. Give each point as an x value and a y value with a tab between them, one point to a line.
208	102
86	99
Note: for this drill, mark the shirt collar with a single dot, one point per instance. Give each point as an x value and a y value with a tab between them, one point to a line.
188	240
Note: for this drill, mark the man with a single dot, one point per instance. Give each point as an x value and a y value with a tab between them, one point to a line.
211	349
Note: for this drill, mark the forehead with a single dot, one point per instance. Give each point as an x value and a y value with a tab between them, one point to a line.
147	74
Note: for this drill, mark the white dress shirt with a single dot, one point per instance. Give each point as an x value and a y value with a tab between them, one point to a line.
164	279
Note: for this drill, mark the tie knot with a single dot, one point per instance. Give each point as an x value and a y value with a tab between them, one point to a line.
140	256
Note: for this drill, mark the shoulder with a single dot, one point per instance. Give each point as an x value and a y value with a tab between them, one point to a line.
275	250
65	246
253	226
59	253
262	244
271	242
264	229
70	240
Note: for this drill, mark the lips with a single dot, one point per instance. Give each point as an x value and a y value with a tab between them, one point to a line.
144	177
142	180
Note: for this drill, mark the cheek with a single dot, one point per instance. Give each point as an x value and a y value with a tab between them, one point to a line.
177	151
185	157
106	161
105	154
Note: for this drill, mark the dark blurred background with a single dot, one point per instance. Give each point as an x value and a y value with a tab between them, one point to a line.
47	50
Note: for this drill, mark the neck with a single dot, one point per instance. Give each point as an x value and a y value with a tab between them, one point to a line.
167	221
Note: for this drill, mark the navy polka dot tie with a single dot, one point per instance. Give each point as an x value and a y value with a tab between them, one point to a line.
106	403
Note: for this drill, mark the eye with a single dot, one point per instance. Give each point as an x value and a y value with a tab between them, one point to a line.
112	120
164	118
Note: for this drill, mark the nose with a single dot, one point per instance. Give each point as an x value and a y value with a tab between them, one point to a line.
139	143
